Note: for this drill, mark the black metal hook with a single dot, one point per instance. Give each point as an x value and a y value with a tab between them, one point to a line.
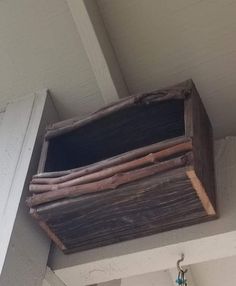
180	269
181	281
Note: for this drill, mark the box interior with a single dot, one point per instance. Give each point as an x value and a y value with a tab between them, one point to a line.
127	129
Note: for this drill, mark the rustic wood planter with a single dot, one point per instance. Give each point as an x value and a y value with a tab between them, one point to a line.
140	166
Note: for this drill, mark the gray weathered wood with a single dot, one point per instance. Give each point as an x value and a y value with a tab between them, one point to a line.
116	175
109	183
52	184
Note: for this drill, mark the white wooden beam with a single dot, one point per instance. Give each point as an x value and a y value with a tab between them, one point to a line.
51	279
98	48
15	157
24	247
202	242
174	274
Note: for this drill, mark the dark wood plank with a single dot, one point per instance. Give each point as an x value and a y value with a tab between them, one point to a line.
110	183
177	92
102	188
188	116
48	230
138	209
52	184
203	146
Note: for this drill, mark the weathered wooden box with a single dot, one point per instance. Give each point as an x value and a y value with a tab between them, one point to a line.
140	166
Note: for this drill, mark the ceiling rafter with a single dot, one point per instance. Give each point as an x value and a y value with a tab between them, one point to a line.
100	53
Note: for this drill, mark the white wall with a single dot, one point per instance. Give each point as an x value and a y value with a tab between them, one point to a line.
25	256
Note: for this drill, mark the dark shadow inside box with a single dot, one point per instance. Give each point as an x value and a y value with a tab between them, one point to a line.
125	130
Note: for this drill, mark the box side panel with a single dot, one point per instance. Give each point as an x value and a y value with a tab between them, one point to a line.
203	146
142	208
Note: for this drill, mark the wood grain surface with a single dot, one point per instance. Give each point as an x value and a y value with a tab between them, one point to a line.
137	209
137	167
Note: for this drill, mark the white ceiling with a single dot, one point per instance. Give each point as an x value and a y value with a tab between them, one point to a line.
41	48
161	42
215	273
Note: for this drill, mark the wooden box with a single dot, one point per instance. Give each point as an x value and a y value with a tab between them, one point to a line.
140	166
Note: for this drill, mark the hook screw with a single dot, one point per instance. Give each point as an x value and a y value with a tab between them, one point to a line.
181	281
